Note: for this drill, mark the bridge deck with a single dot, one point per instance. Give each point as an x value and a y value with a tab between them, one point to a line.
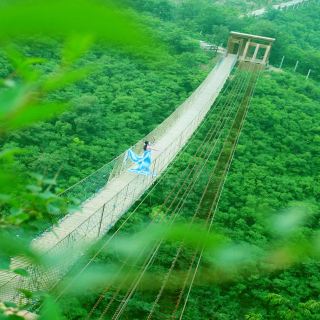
217	78
100	213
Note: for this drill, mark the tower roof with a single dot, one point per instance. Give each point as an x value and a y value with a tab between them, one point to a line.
251	36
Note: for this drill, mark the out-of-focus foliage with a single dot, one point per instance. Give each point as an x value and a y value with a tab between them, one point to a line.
39	62
118	98
123	79
33	33
23	101
106	21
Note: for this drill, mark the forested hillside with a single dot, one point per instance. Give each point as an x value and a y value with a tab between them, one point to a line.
122	100
127	92
296	30
276	168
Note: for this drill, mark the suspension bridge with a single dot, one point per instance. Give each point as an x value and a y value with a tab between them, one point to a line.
111	191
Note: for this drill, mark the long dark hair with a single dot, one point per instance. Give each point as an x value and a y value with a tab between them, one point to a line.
146	143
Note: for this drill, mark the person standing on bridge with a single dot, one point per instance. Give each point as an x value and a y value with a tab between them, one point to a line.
143	162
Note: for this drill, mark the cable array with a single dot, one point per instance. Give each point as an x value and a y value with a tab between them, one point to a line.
182	179
179	294
245	104
109	239
214	132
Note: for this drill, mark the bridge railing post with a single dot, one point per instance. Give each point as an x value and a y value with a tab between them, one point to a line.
101	219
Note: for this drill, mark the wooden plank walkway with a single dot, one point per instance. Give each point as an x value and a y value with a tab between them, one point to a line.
100	213
210	91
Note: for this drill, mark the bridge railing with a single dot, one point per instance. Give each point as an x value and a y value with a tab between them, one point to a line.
92	184
103	219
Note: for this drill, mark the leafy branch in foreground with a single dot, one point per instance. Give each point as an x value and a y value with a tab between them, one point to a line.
25	95
224	260
25	98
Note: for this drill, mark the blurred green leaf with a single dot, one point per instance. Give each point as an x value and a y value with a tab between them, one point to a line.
10	304
50	310
9	175
290	220
73	208
195	236
9	153
93	278
17	219
33	188
8	184
47	195
62	79
53	209
232	256
50	181
21	272
4	197
100	20
13	246
74	48
30	114
4	262
22	65
26	293
15	317
39	177
12	99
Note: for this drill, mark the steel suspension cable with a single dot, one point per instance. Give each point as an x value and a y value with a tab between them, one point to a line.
179	250
178	182
193	258
195	254
140	277
161	178
124	281
217	201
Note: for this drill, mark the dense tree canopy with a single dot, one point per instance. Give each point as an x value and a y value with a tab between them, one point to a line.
122	100
126	94
276	168
296	30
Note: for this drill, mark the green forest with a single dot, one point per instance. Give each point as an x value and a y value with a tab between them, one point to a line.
71	103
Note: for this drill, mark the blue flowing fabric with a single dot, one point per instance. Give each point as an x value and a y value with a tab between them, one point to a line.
143	162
